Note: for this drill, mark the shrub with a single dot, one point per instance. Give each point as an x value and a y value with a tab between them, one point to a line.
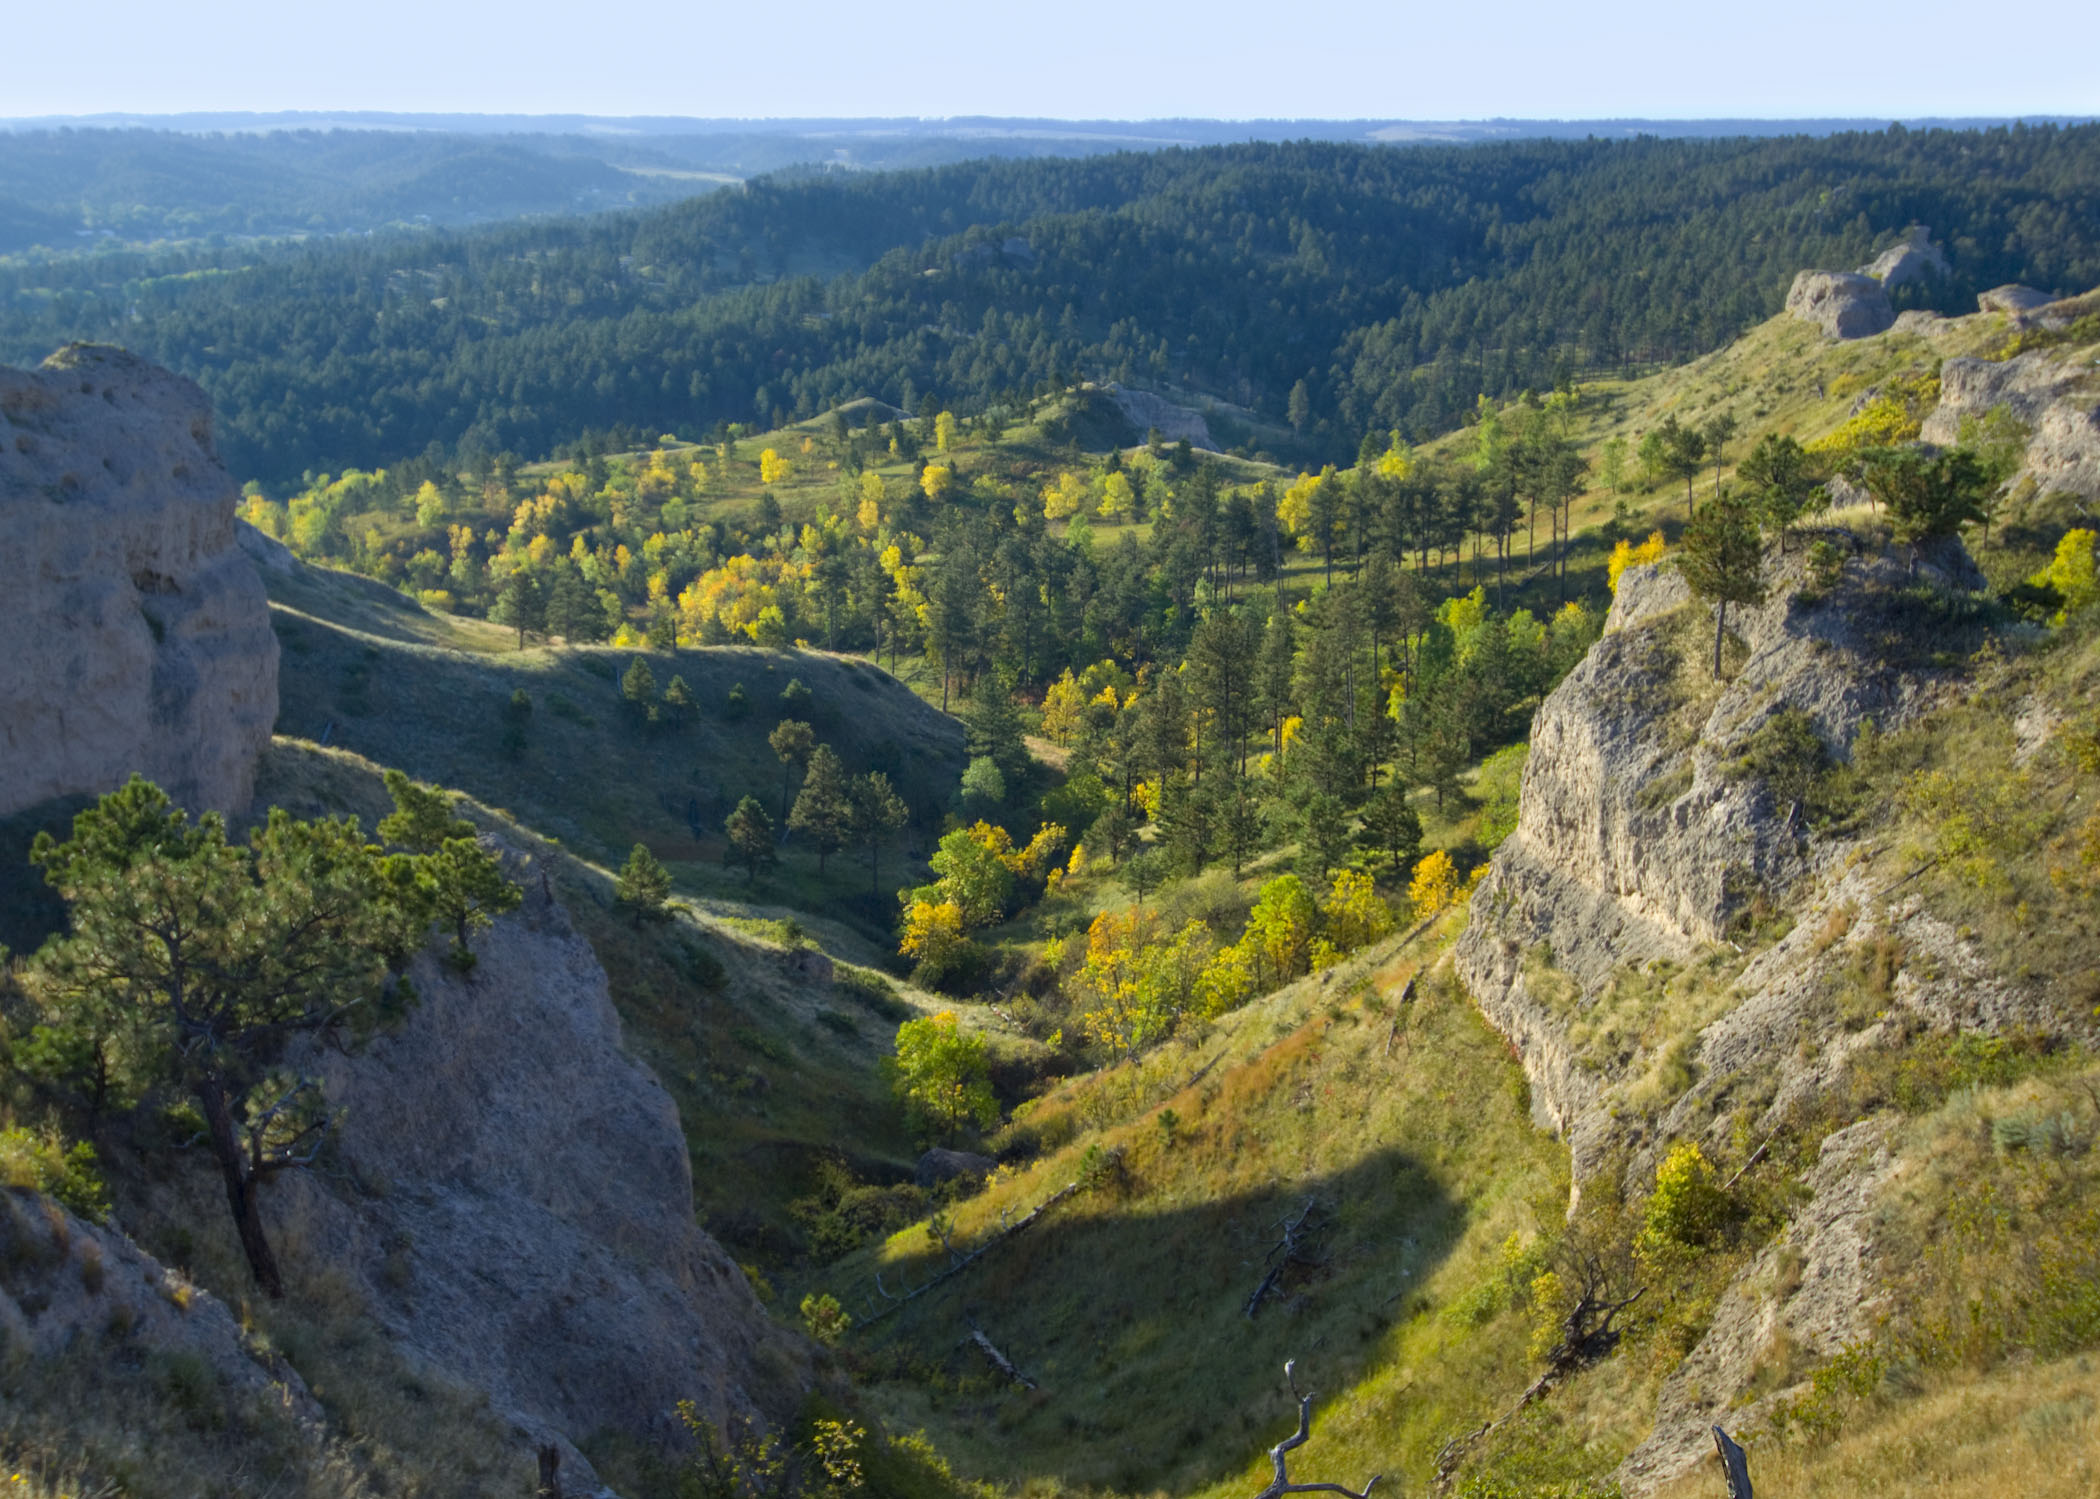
43	1163
824	1319
1687	1209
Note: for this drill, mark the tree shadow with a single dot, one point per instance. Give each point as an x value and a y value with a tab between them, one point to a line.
1132	1321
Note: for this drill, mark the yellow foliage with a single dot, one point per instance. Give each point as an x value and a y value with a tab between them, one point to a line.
772	468
1063	499
1894	416
1147	794
1355	914
938	481
1434	884
1396	462
2072	573
944	431
1064	708
1118	499
930	928
1626	555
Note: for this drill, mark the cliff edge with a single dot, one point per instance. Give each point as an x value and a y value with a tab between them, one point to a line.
138	637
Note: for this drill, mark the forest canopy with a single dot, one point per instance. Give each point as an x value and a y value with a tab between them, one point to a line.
1333	288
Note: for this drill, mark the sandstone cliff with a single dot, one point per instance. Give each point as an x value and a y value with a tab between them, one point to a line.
520	1203
137	635
1641	842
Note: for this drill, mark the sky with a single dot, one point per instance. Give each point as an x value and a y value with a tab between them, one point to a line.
1069	59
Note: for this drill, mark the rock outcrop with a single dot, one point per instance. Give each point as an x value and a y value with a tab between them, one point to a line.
2012	298
522	1216
1641	837
138	637
66	1283
2055	401
1841	303
1146	411
1914	259
1637	839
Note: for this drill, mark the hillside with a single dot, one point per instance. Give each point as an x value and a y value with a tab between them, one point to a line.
1389	285
1388	922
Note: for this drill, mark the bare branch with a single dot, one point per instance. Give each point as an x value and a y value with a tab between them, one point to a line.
1280	1453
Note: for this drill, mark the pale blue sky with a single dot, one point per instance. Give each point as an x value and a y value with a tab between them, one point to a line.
1072	59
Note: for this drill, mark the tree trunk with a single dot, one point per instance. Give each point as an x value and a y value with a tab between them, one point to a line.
240	1185
1720	624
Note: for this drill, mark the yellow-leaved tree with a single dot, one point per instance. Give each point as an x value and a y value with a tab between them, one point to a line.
1626	555
1434	884
772	468
944	431
938	481
1063	499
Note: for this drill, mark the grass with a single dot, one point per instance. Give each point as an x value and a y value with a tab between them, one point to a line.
1407	1125
428	695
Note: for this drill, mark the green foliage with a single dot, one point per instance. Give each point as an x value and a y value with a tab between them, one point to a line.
823	810
1788	755
944	1075
547	332
188	960
1687	1209
750	837
1722	559
824	1319
643	886
1927	496
422	820
43	1163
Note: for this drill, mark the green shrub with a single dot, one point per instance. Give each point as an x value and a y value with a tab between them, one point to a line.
43	1163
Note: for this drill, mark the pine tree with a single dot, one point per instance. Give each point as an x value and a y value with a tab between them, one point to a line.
679	702
792	741
877	812
824	810
1722	559
1391	826
218	953
638	691
520	605
644	885
750	837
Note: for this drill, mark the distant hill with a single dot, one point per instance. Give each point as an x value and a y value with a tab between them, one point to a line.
1386	286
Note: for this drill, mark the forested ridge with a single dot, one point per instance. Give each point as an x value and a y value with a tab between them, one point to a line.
1386	288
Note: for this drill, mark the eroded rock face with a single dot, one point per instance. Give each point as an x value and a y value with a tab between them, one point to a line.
1639	839
65	1283
1842	304
137	635
2053	400
522	1215
1145	411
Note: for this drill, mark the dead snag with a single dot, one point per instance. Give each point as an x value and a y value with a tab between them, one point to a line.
1287	1252
550	1473
1279	1454
999	1361
1735	1465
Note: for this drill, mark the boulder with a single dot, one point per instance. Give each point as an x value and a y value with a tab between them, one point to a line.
138	638
938	1165
1842	304
1912	259
2012	298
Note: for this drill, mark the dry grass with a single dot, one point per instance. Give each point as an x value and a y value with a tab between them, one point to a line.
2031	1431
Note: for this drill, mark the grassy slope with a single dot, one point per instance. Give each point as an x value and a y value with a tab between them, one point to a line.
771	1070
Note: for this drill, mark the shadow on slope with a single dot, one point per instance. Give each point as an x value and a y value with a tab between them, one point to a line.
365	670
1402	1119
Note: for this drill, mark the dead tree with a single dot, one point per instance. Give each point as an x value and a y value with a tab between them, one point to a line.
1587	1334
1280	1453
550	1473
959	1264
999	1361
1735	1465
1287	1252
